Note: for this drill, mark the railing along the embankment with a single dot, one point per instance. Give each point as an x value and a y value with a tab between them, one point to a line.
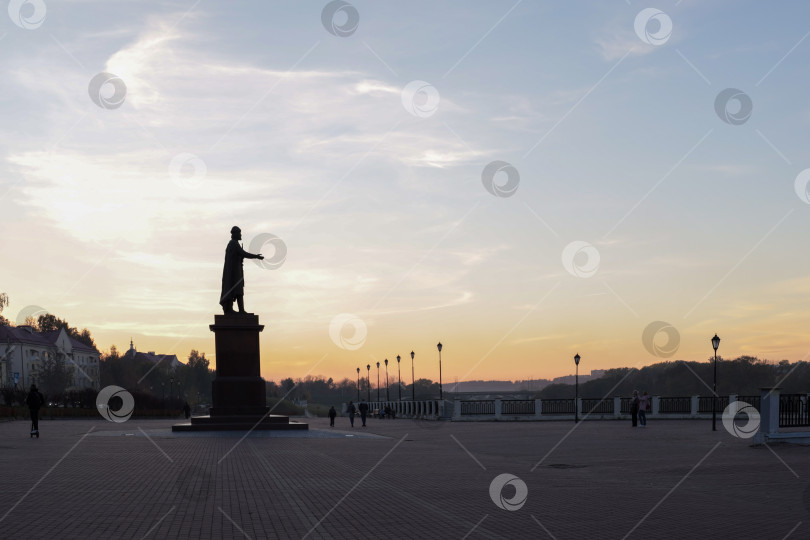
793	408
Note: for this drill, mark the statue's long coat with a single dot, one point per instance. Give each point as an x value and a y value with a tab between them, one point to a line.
233	276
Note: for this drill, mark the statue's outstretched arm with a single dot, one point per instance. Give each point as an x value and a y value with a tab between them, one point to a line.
247	255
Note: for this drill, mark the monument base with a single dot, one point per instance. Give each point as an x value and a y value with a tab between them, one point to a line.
241	422
238	391
238	395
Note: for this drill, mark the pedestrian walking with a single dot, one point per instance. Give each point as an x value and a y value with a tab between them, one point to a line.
187	410
634	403
644	405
363	411
352	410
332	415
35	400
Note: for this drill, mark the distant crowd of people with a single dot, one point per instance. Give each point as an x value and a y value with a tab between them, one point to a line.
362	409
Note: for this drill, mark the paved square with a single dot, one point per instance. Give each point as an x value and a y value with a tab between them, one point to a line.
400	479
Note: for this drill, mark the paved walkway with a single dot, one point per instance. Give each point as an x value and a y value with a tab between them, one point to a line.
408	479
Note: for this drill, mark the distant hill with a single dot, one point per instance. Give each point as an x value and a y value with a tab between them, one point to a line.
743	376
527	385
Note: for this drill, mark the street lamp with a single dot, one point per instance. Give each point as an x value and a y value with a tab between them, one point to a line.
387	386
715	344
378	381
413	380
171	392
358	385
576	390
163	394
368	392
399	378
439	346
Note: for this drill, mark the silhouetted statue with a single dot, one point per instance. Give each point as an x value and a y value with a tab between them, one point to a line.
233	276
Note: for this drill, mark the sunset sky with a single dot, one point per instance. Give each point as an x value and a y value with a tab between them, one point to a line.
632	189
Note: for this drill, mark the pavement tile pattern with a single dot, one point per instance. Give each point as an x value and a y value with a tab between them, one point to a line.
400	479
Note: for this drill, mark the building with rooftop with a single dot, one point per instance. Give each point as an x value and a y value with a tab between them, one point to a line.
169	359
23	351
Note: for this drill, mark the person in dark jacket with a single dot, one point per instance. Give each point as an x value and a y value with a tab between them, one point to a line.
332	415
187	410
35	400
634	406
351	410
363	407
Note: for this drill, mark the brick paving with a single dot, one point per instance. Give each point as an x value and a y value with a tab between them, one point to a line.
413	479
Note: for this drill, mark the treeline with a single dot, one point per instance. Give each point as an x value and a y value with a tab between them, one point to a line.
48	322
745	375
160	383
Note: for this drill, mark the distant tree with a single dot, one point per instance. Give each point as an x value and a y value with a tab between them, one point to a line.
3	303
85	337
54	376
195	377
287	385
195	360
272	389
49	322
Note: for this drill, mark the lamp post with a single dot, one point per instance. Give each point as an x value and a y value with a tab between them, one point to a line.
399	377
163	394
387	386
378	381
413	380
439	346
358	385
715	344
171	391
368	377
576	390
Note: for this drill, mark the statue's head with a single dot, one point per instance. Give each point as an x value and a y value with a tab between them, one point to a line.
236	233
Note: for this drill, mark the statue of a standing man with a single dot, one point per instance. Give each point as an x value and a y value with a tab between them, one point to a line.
233	276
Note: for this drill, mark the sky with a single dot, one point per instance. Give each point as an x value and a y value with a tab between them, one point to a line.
522	181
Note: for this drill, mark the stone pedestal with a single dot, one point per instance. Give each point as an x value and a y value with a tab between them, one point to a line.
238	388
238	391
